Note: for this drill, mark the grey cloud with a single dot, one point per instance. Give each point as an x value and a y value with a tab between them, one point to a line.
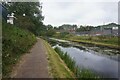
92	13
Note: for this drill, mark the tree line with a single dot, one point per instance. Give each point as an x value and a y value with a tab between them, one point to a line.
28	15
32	19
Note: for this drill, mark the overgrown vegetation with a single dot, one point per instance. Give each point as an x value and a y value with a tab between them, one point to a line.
15	42
57	68
32	19
62	35
79	73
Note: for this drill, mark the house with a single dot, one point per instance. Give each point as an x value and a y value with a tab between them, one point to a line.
10	18
5	16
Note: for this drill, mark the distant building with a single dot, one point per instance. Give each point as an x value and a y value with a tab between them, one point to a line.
68	28
107	31
115	31
104	31
101	30
96	31
83	33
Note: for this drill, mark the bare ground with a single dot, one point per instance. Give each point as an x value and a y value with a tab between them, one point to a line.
33	64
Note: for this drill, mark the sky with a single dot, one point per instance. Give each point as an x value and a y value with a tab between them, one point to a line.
80	12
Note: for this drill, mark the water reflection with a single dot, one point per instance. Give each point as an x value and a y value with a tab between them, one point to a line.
102	65
101	60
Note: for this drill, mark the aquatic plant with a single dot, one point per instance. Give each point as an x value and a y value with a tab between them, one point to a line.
79	73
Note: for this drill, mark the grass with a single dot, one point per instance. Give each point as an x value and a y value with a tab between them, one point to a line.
57	68
104	41
79	73
66	58
102	44
15	43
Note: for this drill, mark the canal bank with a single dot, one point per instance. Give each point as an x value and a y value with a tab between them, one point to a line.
96	43
57	68
101	41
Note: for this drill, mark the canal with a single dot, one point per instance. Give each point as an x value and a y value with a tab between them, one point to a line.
102	61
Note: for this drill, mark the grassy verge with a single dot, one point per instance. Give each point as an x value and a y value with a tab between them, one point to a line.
57	67
104	41
95	43
79	73
15	43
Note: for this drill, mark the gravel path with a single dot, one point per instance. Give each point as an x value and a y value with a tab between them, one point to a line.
33	64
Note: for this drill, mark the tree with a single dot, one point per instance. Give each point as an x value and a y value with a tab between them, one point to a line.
32	20
50	32
56	28
49	27
84	28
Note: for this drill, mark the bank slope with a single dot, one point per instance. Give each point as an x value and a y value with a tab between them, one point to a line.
15	42
57	68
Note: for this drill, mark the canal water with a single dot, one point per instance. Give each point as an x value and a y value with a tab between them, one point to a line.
88	58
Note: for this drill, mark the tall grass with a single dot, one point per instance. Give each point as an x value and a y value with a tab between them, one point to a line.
67	59
79	73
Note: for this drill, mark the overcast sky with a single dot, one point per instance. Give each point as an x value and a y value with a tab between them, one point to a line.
80	12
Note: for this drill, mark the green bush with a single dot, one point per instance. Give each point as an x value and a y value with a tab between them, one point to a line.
15	42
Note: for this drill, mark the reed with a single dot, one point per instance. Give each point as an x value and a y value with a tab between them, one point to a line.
79	73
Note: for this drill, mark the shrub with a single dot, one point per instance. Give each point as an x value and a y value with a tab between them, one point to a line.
15	42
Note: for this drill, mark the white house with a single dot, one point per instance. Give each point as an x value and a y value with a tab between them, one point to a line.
10	18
